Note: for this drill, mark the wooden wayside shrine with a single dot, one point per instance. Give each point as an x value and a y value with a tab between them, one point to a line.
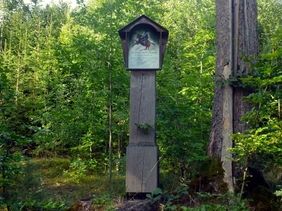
143	42
142	151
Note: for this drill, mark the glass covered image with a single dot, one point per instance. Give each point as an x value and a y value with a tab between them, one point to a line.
143	47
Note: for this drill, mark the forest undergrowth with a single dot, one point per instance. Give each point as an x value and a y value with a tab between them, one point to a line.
46	184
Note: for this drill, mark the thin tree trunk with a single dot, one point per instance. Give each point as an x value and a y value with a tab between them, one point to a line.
17	80
110	102
236	22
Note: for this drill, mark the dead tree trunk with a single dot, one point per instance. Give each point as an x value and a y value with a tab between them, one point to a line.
236	25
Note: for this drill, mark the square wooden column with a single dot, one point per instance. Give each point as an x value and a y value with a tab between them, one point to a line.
142	171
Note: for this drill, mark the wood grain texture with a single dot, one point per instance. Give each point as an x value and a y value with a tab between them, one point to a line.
236	36
142	106
141	169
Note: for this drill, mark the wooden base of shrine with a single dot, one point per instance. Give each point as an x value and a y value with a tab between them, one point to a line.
142	169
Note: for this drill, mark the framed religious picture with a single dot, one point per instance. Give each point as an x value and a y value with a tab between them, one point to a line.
143	43
143	48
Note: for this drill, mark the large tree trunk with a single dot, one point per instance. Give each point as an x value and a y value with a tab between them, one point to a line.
236	25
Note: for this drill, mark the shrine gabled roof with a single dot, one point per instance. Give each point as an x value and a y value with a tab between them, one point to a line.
143	19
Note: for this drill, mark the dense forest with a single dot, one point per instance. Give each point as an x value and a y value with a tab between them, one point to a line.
64	95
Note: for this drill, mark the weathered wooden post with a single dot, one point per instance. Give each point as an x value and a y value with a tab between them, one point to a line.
143	43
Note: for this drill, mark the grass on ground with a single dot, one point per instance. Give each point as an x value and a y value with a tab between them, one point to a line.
44	180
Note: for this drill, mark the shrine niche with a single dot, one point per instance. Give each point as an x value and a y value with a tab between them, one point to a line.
144	43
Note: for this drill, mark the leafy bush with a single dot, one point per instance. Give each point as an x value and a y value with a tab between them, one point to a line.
77	170
168	199
224	202
264	136
202	202
48	205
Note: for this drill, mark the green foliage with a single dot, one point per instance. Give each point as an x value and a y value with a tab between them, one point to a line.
77	170
64	90
203	201
105	202
268	22
206	207
43	181
224	202
263	137
48	205
65	63
185	87
155	196
278	193
144	127
169	199
10	140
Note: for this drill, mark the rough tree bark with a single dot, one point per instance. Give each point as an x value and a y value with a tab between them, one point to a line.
236	25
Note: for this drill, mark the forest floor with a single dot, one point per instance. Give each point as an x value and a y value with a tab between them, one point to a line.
48	184
45	182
